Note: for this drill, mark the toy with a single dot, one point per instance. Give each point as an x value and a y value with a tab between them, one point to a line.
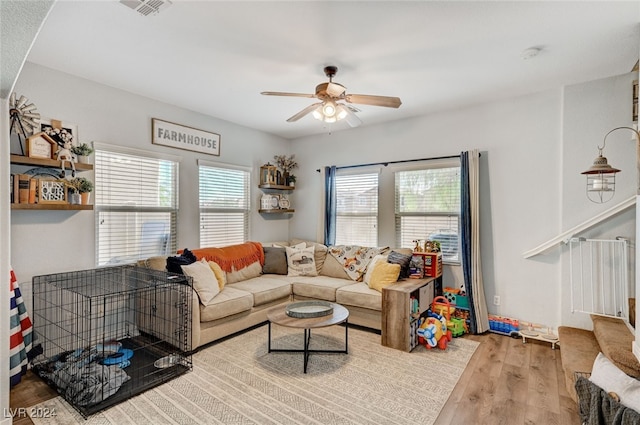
433	331
457	327
64	154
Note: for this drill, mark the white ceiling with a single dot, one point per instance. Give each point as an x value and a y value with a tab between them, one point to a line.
216	57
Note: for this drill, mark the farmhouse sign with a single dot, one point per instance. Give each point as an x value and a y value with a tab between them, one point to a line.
179	136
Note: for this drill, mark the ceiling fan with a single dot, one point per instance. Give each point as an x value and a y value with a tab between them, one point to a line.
330	109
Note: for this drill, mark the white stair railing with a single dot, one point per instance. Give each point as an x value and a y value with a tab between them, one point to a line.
599	276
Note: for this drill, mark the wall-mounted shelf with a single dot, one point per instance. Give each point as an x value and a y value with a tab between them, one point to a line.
41	162
48	163
59	207
276	187
277	211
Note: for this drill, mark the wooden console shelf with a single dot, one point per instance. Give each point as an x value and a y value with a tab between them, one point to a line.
396	310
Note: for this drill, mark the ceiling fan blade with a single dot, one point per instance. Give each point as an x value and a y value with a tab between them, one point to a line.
365	99
351	118
279	93
304	112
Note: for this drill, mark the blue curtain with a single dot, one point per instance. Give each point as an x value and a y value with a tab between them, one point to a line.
465	236
330	205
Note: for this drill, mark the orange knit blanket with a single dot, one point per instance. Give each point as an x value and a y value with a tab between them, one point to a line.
233	256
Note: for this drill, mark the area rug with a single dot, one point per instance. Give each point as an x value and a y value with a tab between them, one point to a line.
237	382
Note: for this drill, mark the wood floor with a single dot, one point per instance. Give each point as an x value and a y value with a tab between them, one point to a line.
506	382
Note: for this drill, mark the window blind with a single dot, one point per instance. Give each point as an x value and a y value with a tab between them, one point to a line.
427	206
136	207
224	205
357	209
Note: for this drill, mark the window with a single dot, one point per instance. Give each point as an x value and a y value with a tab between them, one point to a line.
224	205
357	209
427	206
136	206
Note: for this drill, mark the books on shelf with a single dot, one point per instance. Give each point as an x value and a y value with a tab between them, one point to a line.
24	189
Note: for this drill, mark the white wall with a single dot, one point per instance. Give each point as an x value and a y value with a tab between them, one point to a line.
55	241
520	142
533	150
591	110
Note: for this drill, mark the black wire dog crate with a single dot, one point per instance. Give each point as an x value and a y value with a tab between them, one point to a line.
108	334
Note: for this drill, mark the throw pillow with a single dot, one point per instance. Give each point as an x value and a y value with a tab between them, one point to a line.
220	275
319	253
301	262
204	281
275	260
607	376
371	266
396	257
384	274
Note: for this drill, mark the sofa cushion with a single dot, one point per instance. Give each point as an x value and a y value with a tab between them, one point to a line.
228	302
359	295
275	260
319	287
319	251
615	340
265	289
384	274
249	272
301	262
333	268
204	281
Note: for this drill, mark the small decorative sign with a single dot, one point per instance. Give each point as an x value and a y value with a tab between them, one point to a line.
52	192
179	136
41	146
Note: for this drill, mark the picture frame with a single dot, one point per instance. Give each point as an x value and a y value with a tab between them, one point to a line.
52	191
179	136
41	146
59	131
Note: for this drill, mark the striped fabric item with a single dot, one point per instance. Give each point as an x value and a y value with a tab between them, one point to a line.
21	334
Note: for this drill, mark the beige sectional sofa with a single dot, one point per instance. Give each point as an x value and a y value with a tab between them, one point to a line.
249	293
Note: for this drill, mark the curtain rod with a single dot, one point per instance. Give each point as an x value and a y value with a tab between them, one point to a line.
395	162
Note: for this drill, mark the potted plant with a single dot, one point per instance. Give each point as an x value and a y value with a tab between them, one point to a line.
83	151
84	186
286	164
292	180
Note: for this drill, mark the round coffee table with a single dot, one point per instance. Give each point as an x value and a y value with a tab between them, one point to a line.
279	316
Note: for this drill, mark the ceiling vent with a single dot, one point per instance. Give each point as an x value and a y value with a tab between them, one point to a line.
147	7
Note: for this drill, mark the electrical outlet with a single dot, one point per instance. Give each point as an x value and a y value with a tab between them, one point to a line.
496	300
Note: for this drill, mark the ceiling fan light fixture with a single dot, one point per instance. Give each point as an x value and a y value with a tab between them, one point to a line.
329	109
